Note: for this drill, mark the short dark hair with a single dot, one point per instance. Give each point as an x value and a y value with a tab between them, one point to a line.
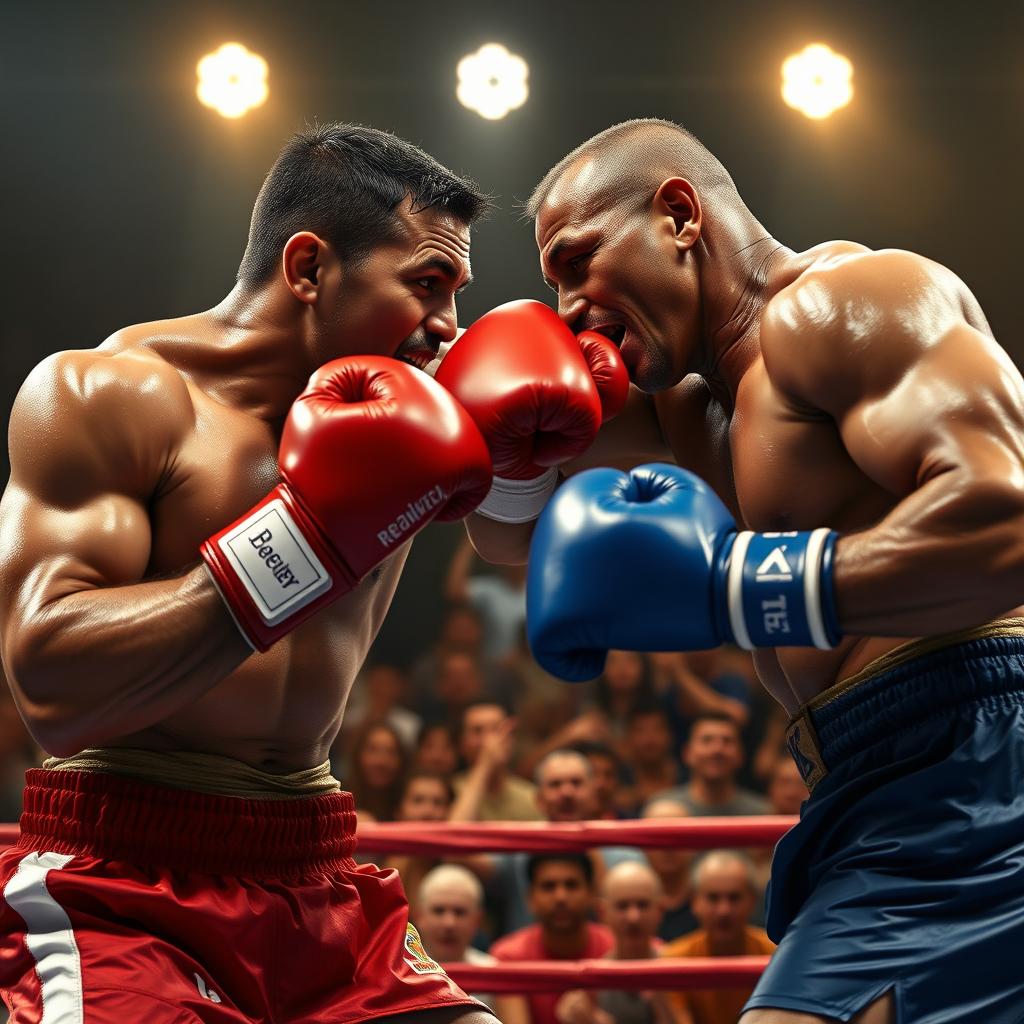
644	709
713	716
581	860
422	773
344	182
482	702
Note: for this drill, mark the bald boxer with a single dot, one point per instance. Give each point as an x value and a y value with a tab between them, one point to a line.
838	484
204	527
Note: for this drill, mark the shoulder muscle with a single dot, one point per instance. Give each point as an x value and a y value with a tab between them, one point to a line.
86	421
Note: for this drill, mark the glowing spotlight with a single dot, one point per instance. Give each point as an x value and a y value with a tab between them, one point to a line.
492	81
232	80
817	81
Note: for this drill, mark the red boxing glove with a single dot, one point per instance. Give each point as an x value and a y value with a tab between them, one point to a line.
529	386
371	452
611	378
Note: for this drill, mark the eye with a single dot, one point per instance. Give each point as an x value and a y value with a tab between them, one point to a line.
426	282
577	262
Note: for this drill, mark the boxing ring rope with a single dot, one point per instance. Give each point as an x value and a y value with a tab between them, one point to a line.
522	977
676	973
526	976
438	839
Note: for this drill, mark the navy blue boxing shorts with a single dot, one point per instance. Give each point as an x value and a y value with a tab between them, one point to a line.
906	869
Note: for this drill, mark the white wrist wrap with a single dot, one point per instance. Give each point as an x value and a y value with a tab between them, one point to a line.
274	562
518	501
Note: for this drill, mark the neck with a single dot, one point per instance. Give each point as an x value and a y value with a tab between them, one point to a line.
744	261
260	361
727	945
657	771
633	949
565	944
712	791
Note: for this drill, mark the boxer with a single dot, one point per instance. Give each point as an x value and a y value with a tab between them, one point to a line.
837	483
205	524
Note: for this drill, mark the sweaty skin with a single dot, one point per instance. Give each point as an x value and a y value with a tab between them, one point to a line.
126	457
836	387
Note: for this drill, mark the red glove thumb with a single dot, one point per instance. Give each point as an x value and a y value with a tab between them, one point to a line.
608	370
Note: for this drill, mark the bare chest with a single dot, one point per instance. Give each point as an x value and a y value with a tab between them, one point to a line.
225	465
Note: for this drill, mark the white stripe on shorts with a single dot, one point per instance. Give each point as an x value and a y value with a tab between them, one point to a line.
49	937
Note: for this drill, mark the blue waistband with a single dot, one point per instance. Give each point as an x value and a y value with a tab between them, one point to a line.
936	683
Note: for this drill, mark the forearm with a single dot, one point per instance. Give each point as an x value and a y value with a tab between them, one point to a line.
949	556
98	664
499	543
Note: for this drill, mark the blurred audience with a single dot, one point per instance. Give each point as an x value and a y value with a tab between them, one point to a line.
565	793
457	671
436	749
499	597
672	865
447	912
426	797
724	895
380	693
605	775
651	764
561	897
786	788
713	754
630	903
485	743
376	774
624	685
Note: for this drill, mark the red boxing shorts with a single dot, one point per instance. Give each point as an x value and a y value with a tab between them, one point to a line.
128	902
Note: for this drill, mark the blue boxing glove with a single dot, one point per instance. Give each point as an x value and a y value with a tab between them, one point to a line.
651	560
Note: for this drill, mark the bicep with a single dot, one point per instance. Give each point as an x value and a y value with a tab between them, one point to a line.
85	459
54	551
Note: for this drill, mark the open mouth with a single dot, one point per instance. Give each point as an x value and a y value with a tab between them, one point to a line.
421	358
615	330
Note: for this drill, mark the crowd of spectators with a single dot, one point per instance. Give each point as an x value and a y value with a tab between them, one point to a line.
474	730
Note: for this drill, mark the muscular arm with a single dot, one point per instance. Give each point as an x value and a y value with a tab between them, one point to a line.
95	651
893	348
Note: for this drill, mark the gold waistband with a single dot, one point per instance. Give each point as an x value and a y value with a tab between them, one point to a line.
914	649
203	773
801	737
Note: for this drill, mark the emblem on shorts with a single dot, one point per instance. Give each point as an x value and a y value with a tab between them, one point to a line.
804	750
205	991
417	959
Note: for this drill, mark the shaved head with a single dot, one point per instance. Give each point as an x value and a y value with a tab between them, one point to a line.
627	162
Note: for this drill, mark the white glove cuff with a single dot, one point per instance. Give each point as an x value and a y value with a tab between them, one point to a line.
518	501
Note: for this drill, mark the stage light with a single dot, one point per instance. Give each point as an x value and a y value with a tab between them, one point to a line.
232	80
817	81
492	81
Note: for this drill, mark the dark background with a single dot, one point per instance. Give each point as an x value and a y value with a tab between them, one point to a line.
125	200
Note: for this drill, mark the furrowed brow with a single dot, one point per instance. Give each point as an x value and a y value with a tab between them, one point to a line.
445	267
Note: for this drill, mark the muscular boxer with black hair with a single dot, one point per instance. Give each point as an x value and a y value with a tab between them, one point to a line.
205	524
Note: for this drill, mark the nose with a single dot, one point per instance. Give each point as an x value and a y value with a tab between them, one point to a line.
443	322
571	308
